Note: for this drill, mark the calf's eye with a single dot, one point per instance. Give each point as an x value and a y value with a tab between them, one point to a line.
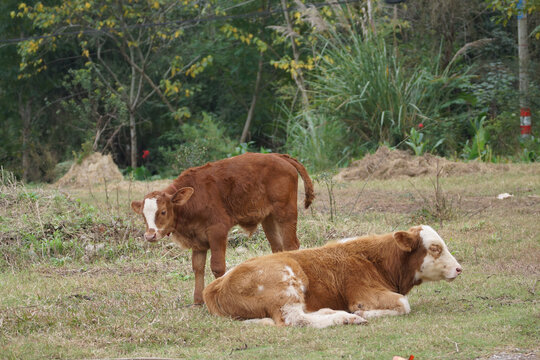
163	212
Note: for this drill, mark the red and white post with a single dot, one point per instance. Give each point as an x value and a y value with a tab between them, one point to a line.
525	122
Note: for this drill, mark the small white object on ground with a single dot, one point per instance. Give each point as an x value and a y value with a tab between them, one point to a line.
504	196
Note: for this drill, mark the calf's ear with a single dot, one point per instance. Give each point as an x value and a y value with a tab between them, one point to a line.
405	240
182	196
137	206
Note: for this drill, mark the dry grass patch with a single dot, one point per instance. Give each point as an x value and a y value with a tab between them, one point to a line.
132	299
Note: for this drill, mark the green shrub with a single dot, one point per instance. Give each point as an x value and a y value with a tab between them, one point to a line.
479	147
418	145
140	173
193	145
530	150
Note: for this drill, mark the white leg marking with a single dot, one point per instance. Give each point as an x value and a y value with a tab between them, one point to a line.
406	305
263	321
376	313
294	314
368	314
149	211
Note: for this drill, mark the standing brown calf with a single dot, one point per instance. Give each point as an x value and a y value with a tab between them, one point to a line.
203	203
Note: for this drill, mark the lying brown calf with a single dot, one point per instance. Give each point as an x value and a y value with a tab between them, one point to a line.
203	203
344	282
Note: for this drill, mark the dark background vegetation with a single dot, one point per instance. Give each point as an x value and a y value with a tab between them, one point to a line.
450	66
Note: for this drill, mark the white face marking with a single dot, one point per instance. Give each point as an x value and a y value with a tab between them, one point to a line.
436	268
260	288
346	240
149	212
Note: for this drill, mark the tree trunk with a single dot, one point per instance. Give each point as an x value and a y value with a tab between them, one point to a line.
523	53
25	113
132	107
133	137
253	101
370	17
297	73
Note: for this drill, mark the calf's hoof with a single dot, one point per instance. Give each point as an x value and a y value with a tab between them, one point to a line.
196	305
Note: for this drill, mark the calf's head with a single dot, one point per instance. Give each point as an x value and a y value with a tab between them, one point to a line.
158	211
432	259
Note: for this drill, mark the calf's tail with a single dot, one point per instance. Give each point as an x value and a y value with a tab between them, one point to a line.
308	184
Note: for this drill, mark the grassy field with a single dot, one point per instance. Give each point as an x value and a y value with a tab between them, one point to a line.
77	281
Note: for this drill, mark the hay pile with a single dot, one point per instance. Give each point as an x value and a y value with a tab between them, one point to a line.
94	169
387	164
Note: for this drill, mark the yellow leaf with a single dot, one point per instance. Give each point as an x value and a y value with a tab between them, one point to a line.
156	5
87	5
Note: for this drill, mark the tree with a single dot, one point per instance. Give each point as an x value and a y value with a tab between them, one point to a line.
123	42
25	105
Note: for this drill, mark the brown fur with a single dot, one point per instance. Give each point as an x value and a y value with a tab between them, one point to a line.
203	203
368	273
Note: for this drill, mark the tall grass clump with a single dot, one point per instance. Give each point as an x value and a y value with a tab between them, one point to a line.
375	96
318	141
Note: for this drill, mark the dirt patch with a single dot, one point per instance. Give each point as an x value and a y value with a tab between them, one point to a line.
512	356
94	169
387	164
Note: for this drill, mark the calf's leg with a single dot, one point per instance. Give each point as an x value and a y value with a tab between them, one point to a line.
272	233
217	237
198	261
379	303
295	314
280	226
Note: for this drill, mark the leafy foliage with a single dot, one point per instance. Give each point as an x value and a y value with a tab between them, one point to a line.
123	76
417	144
192	145
479	146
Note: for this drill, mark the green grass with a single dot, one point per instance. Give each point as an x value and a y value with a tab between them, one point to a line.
131	299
